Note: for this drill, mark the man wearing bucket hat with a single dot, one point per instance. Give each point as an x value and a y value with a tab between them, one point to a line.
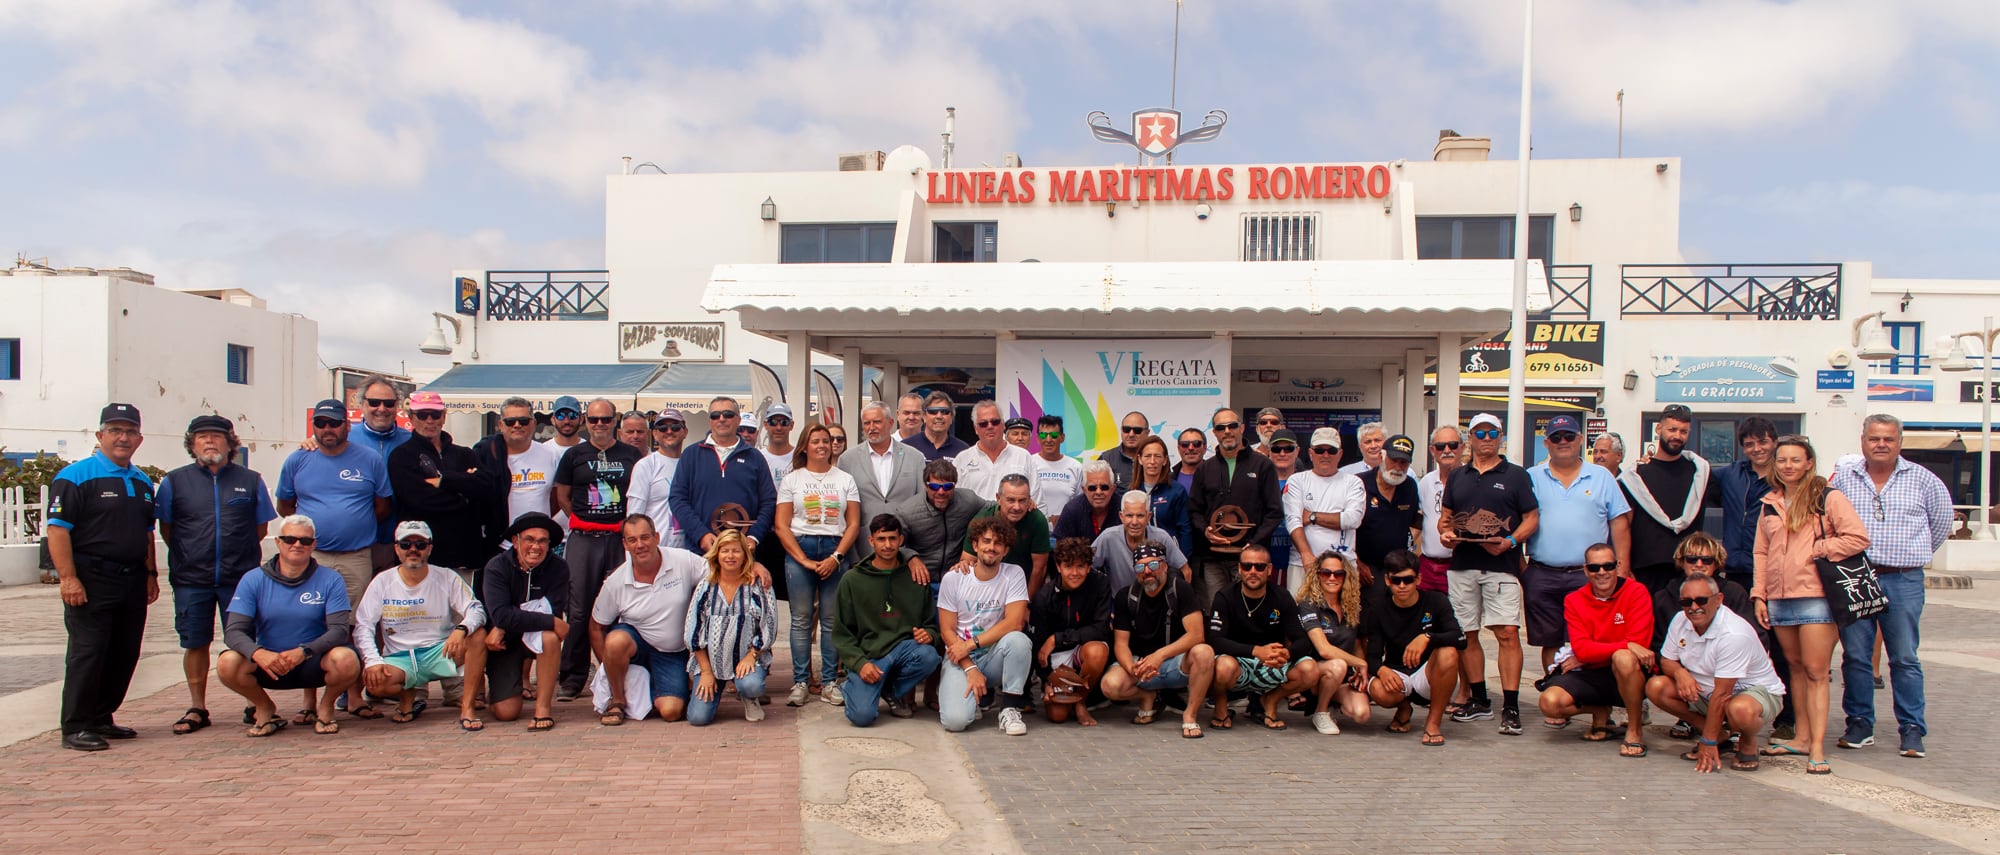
525	591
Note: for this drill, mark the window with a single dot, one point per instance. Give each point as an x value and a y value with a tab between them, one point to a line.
963	242
1908	339
239	364
10	359
1481	237
831	243
1280	237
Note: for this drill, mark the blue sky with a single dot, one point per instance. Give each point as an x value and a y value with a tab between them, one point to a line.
340	158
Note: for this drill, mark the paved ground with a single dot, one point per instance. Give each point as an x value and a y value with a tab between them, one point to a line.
804	780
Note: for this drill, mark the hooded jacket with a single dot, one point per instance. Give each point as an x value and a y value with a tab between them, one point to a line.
1072	617
239	631
875	609
455	509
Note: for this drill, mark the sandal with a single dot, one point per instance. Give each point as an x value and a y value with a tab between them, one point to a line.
614	715
1455	708
1597	734
1223	720
539	724
325	726
267	727
1625	749
366	712
194	719
1190	730
305	716
1271	722
1144	716
1744	764
1779	749
1433	740
471	725
406	716
1399	724
1818	767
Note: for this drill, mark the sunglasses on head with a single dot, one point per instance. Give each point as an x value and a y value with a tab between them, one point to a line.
413	545
1257	566
939	487
295	540
328	423
427	415
937	411
988	423
1610	567
600	420
1223	426
1691	602
380	403
1445	446
1333	574
1698	559
1195	444
1404	579
1132	429
518	421
719	415
1486	433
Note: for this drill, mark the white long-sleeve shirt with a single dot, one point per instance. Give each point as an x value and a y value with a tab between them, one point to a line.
412	617
1339	493
652	480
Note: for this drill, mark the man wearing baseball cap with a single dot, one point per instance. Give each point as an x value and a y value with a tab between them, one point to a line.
100	537
438	482
1488	510
213	516
778	449
566	415
431	627
1580	505
653	477
1324	506
1394	514
344	487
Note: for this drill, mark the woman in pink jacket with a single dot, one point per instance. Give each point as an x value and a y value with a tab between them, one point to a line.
1802	521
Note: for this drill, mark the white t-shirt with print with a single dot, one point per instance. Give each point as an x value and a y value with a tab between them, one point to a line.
1055	481
981	604
819	500
531	477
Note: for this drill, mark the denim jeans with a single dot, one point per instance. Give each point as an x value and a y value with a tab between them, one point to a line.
808	593
1899	639
1005	666
904	667
702	712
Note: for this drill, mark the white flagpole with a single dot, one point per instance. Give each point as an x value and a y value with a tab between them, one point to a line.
1519	431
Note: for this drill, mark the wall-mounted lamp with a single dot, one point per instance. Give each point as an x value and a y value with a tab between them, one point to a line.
1201	211
1576	212
1111	209
1876	344
1631	380
767	211
1907	298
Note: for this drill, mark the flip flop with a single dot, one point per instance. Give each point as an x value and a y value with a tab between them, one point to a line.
1597	734
406	716
365	712
1433	740
1145	716
325	726
539	724
1555	723
266	728
1744	764
1223	720
194	719
1818	767
471	725
1777	749
1622	752
305	716
1399	725
1272	722
1190	730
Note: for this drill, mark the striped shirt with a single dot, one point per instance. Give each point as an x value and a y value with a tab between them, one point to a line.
1907	520
728	629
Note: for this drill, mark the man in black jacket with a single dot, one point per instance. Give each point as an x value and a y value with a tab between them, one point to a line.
1260	646
1413	642
1069	622
526	594
1231	478
441	484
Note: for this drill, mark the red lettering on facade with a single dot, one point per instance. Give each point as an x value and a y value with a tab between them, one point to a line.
1062	186
1223	179
1374	172
1258	175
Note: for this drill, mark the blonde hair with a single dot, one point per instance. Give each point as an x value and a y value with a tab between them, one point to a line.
1310	593
1704	543
1810	500
729	537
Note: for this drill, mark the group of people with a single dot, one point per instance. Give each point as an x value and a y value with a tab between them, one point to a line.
999	575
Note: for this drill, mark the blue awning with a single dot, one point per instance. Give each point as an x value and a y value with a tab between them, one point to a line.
528	380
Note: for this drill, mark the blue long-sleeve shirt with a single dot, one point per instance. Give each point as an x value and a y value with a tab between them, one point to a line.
704	482
1740	490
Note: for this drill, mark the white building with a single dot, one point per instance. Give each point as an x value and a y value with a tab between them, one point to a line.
1326	289
74	339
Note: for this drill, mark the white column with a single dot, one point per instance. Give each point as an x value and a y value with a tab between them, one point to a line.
1392	407
1449	346
852	381
892	384
1413	403
798	373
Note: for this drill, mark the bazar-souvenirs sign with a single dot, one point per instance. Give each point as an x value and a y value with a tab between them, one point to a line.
1092	384
1737	379
1556	350
697	341
1156	184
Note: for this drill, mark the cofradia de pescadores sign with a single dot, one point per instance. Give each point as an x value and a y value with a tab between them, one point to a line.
1092	384
1752	379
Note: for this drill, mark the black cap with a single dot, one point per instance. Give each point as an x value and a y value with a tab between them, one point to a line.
1023	424
119	413
1282	435
331	409
1400	447
211	422
536	519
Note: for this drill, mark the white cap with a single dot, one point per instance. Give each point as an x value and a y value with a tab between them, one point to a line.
1326	436
1486	419
413	527
749	420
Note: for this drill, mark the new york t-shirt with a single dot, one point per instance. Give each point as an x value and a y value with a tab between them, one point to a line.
531	476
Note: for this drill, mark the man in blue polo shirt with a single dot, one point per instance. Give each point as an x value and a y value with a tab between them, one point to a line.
213	516
100	538
1580	505
344	487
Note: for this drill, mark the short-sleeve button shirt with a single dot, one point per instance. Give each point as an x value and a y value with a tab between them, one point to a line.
107	508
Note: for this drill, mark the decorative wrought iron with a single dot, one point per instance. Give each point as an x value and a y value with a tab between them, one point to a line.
1569	291
548	295
1766	292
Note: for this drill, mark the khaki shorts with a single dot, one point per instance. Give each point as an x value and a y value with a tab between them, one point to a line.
1483	598
356	568
1768	701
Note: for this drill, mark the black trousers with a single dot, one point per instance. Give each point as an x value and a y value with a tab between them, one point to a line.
104	637
591	557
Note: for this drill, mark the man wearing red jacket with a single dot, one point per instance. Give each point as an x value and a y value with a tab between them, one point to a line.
1610	622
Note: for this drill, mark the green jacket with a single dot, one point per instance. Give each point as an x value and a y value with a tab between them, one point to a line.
873	609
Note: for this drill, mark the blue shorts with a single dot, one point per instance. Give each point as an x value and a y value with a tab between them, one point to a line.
1798	611
196	608
1170	677
669	671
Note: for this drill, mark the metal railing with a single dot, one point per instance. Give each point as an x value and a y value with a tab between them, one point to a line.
1569	291
548	295
1765	292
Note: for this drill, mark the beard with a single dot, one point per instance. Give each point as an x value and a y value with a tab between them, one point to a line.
1395	478
1672	447
1152	587
211	458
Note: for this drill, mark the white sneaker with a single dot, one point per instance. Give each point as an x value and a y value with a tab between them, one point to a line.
1323	722
831	695
797	697
752	711
1011	723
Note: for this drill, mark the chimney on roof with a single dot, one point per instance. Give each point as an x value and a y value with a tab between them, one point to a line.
1452	147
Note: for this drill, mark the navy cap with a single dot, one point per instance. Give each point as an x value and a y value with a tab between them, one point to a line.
566	402
1560	424
1021	423
331	409
119	413
211	422
1400	447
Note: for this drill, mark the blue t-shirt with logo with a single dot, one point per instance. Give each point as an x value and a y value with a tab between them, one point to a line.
288	616
338	492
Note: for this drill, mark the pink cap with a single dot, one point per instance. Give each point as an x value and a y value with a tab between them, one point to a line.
426	401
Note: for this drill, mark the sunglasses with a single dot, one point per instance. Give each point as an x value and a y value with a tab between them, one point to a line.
1284	449
987	423
937	487
1406	579
600	420
293	540
837	437
1601	568
1445	446
1486	433
745	430
1153	566
1562	438
328	423
1325	449
778	421
380	403
1223	426
1097	488
1050	434
937	411
670	427
1269	422
565	415
1257	566
1132	429
1195	444
1691	602
413	545
427	415
518	421
719	415
1698	559
1333	574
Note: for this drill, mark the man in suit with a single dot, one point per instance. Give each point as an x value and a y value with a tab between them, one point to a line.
886	471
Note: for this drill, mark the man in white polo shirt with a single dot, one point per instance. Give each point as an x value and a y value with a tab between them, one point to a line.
1711	653
640	619
983	466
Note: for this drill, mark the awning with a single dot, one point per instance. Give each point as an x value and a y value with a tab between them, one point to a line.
480	387
1936	440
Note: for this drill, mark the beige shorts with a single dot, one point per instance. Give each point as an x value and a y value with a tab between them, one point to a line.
1765	698
1483	598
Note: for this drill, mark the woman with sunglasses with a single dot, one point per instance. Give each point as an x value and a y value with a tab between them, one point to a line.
1154	475
1701	555
818	519
1330	609
1802	521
